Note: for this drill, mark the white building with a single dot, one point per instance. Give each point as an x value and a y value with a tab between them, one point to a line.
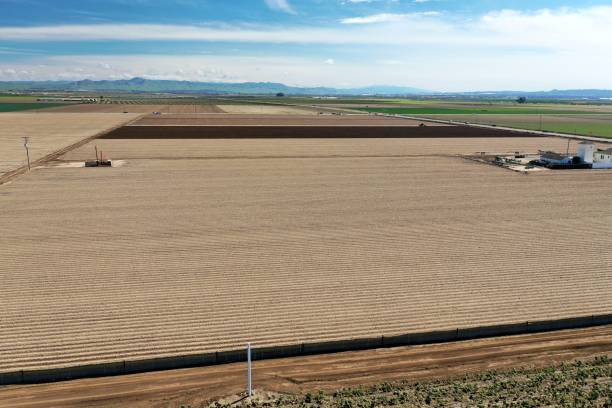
586	157
585	152
602	159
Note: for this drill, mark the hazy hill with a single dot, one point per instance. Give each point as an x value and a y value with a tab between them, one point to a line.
149	85
141	85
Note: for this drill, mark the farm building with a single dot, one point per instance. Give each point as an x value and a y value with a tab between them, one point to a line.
583	159
602	159
585	152
553	158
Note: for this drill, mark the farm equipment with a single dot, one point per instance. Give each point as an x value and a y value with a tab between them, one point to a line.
102	161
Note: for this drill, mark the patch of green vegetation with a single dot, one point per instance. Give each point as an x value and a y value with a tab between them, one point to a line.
599	125
583	129
578	384
591	129
472	111
16	107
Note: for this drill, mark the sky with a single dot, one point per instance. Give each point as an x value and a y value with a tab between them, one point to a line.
439	45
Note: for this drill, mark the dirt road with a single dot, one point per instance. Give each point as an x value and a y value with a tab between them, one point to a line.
332	371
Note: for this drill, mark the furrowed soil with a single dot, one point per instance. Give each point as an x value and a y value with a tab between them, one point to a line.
267	110
48	132
139	108
279	120
329	372
199	254
304	148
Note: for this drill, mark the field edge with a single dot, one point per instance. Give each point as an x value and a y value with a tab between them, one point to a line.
123	367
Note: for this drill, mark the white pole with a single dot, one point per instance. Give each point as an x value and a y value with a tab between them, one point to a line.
25	144
250	384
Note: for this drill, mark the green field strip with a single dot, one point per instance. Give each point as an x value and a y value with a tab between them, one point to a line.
17	107
472	111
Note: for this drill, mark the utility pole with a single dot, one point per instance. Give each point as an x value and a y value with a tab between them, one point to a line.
26	139
249	378
540	122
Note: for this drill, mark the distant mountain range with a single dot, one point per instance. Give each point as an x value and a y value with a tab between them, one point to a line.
554	94
141	85
188	87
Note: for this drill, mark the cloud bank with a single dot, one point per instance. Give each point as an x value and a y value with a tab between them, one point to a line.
534	50
555	29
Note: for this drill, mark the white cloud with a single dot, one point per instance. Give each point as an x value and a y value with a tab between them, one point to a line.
329	61
387	17
457	71
561	48
280	5
561	29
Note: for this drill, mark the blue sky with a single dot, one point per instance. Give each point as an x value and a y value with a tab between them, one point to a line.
434	44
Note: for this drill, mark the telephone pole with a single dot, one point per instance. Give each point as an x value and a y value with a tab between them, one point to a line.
26	139
541	122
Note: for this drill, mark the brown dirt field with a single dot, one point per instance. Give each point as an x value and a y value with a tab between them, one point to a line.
186	109
109	108
309	132
325	372
136	108
278	120
48	133
171	257
262	148
267	110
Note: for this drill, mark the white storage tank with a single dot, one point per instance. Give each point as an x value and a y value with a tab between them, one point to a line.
585	152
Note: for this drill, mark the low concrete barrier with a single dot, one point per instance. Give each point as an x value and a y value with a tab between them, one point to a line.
560	324
420	338
601	320
491	331
169	363
266	353
70	373
341	345
14	377
233	356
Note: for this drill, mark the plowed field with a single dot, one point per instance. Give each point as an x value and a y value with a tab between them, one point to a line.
196	386
172	257
48	132
261	148
267	110
278	120
138	108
